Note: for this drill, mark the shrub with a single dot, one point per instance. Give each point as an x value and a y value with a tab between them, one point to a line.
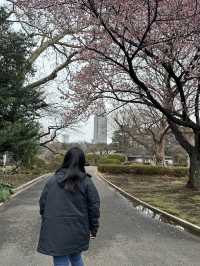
5	192
105	160
92	158
56	162
95	159
39	163
119	157
143	170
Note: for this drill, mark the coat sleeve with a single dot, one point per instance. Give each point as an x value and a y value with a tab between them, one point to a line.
93	201
43	199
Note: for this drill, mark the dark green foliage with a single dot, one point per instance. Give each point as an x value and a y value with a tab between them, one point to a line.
5	192
19	105
20	138
143	170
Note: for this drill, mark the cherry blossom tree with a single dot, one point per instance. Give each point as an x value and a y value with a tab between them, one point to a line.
146	127
139	40
144	39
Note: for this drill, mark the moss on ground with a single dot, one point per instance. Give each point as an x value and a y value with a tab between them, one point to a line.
167	193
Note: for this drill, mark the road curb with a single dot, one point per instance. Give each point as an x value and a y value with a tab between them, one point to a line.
192	228
25	186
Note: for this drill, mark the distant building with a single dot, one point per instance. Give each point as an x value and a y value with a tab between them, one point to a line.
100	125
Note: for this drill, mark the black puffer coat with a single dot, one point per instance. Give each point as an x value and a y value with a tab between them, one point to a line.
68	218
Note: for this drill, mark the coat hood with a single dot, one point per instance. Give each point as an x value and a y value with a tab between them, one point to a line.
62	174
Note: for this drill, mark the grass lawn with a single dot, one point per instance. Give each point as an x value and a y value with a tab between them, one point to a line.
167	193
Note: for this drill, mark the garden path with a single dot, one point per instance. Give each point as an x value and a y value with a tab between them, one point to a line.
126	238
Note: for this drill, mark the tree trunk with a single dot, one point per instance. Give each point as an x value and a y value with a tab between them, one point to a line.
194	171
159	152
190	146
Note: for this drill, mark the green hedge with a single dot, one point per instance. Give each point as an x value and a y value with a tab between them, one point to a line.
95	159
105	160
118	157
143	170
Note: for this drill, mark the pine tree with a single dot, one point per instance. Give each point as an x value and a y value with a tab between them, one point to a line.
19	106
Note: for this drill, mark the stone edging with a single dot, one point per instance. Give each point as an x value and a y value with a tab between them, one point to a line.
192	228
25	186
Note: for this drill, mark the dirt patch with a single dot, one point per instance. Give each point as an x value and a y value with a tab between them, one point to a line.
166	193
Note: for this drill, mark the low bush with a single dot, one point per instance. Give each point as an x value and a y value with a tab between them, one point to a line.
39	163
92	158
119	157
95	159
5	192
138	169
56	162
105	160
37	167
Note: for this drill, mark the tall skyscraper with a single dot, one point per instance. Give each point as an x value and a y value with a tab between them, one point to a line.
100	125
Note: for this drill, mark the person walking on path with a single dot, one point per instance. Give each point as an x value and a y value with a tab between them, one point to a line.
69	207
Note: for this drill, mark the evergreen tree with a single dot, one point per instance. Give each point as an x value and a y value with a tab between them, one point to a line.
19	107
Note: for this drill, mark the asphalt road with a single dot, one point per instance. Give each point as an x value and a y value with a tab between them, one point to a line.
126	238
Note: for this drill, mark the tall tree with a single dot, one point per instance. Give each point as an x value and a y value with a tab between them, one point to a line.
54	53
141	39
151	37
121	141
19	107
146	127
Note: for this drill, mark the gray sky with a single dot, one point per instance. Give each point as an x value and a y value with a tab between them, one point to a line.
85	130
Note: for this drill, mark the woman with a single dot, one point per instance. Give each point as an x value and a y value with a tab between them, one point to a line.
69	206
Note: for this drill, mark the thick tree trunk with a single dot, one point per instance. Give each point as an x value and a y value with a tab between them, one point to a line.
190	145
194	171
159	152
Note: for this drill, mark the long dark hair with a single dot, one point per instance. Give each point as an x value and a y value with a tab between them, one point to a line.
74	168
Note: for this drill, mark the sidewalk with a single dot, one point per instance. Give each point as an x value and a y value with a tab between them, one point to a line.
126	238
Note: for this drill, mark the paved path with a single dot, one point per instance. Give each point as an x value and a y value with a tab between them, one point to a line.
126	238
